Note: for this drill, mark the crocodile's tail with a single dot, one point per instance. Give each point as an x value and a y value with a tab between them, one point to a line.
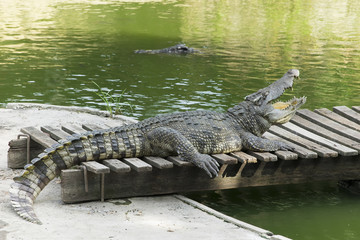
72	151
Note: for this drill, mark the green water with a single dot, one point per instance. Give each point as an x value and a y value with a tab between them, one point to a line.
53	52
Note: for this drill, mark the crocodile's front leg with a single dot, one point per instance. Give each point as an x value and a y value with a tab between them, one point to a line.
255	143
165	141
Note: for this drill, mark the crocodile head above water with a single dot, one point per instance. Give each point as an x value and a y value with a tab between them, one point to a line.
177	49
260	110
277	112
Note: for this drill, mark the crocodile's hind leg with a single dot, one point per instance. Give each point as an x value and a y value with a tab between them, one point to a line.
165	141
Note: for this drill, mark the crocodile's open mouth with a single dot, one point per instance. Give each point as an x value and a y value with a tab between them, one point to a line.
281	112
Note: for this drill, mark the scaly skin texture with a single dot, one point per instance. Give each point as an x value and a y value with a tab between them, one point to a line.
177	49
191	135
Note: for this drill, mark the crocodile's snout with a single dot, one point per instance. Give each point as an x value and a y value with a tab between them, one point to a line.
294	72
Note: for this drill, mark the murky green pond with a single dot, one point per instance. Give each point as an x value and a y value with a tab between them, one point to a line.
53	52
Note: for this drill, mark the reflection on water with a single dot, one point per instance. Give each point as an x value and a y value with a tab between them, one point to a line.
304	211
54	51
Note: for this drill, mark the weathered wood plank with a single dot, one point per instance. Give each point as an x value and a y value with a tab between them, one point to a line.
302	152
320	150
73	129
356	108
348	113
286	155
93	127
96	167
312	127
243	157
54	133
116	165
341	149
39	137
158	162
137	164
329	124
176	160
225	159
263	156
337	118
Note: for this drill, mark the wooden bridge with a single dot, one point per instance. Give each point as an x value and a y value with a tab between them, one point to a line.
327	146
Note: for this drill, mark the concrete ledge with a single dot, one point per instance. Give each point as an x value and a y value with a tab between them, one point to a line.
88	110
262	232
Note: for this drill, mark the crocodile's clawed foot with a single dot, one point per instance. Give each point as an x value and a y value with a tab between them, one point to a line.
207	163
285	147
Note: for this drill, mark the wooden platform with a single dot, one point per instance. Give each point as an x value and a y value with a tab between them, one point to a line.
327	145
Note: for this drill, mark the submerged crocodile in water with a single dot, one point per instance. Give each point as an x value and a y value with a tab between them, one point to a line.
191	135
177	49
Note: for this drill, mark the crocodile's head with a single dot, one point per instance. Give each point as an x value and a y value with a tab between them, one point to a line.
277	112
180	48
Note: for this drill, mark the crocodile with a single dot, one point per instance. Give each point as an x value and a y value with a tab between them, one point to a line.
191	135
177	49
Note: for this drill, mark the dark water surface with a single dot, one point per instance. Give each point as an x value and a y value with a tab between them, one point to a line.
53	52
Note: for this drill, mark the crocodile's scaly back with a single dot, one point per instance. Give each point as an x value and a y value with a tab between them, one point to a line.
72	151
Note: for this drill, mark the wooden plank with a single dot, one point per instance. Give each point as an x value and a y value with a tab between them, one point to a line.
54	133
302	152
96	167
348	113
73	129
329	124
341	149
320	150
263	156
158	162
225	159
312	127
116	165
93	127
243	157
137	164
356	108
338	118
176	160
286	155
38	136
